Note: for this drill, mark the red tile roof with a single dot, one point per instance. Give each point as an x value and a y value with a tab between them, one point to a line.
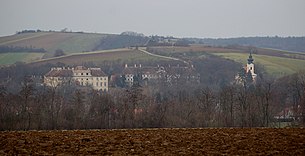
59	73
97	72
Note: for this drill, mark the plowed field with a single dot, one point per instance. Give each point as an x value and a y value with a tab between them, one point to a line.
257	141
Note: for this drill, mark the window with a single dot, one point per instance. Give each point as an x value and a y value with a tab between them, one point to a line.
96	79
101	83
87	73
87	79
101	78
105	83
96	83
105	78
82	73
82	83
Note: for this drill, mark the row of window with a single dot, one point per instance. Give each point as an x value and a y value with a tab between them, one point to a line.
96	84
81	74
97	79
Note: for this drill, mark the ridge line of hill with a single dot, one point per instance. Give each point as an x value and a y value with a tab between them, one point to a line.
76	54
25	38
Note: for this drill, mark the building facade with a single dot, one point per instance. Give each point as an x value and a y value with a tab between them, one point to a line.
168	75
80	75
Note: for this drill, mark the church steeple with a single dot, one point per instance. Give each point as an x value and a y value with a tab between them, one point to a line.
250	59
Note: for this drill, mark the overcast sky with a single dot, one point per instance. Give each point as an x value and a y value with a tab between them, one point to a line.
180	18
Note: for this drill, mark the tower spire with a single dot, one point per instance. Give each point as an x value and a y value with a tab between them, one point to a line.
250	59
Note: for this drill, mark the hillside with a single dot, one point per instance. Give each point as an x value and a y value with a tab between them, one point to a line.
51	41
75	46
296	44
277	63
68	42
117	55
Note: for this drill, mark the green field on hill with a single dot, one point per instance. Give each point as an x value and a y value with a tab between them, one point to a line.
50	41
115	55
11	58
276	66
78	48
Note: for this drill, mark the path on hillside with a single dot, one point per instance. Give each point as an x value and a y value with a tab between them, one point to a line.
26	38
161	56
80	54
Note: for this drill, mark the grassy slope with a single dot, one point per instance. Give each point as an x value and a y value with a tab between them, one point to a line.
122	55
10	58
276	66
276	62
68	42
11	40
74	43
79	43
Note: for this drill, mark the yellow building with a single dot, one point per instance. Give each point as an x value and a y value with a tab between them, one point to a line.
80	75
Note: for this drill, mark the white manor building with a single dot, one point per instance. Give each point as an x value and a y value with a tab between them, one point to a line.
80	75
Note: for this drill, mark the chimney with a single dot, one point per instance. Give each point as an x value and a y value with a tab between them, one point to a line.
135	65
126	65
140	65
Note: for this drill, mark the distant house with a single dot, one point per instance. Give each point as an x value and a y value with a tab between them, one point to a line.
177	74
134	73
80	75
289	114
169	75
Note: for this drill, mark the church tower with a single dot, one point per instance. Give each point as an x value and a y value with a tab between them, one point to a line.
250	67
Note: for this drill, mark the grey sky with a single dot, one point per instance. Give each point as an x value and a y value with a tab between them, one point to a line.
181	18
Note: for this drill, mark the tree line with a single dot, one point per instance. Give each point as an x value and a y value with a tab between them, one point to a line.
284	43
232	105
17	49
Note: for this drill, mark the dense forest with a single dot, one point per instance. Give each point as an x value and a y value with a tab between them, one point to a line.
17	49
284	43
120	41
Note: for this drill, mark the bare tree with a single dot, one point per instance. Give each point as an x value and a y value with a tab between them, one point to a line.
26	99
207	106
227	97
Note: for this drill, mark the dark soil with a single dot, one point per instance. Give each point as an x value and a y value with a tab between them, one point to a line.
214	141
